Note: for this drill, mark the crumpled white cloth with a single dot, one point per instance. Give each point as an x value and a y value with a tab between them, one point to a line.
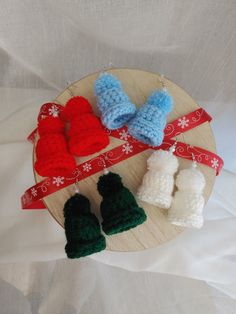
44	46
86	286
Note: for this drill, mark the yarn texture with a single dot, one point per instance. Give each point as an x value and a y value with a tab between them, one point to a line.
115	106
158	183
149	123
53	158
82	228
188	202
119	209
86	133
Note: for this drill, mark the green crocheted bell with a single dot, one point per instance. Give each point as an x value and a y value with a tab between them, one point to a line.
82	228
119	209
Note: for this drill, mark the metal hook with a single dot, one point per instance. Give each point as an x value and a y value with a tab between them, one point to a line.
194	163
110	65
76	186
161	80
173	147
104	68
193	157
105	170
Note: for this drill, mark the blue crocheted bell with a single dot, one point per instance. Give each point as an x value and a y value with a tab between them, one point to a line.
115	106
149	123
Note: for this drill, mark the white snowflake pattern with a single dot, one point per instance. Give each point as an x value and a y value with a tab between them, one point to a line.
183	123
87	167
214	163
124	135
58	181
127	148
53	111
34	192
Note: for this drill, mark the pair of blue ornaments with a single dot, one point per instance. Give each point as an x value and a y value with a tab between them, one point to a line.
145	124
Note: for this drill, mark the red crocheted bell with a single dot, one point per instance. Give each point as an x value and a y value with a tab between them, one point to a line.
86	133
53	158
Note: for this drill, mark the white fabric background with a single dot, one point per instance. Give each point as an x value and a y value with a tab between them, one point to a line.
44	45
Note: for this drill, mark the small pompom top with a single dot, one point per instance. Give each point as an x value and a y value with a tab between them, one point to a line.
75	107
104	82
50	125
109	184
164	161
76	205
190	180
162	100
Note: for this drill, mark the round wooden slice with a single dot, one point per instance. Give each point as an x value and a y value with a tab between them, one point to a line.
138	84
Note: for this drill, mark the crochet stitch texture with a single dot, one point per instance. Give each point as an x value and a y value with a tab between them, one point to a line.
188	202
119	209
82	228
115	106
149	123
158	182
86	133
52	154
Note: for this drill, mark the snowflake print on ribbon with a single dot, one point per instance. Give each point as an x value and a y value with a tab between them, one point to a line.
34	192
53	111
127	148
183	122
214	163
124	135
87	167
58	181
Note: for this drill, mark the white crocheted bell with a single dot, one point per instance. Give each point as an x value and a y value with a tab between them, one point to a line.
158	182
188	202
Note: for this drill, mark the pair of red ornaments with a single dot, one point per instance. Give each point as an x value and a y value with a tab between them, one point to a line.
57	147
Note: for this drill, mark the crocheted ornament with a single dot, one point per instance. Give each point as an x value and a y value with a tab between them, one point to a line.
52	154
115	106
158	182
149	123
188	202
82	228
119	209
86	133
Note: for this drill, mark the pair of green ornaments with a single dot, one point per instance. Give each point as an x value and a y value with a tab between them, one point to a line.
119	210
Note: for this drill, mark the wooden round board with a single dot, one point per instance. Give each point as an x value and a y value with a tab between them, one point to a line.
138	84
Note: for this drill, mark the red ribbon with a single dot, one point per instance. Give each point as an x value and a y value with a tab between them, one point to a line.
32	198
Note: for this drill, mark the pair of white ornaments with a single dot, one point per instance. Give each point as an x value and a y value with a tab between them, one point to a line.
186	206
